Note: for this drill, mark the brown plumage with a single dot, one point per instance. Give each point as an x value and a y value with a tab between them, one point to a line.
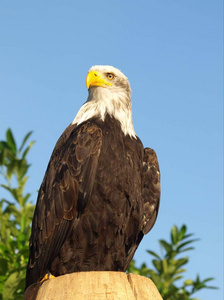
99	196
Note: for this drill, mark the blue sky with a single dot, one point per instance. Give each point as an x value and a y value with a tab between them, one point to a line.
171	51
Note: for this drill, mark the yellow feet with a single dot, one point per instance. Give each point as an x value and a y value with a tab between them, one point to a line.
47	276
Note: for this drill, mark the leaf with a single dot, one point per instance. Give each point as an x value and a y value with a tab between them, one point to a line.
208	279
22	169
182	232
12	209
27	150
209	287
177	278
157	265
1	145
11	285
187	236
22	223
10	141
180	271
14	192
11	168
165	245
24	140
174	235
187	249
25	199
181	262
23	182
153	254
188	282
2	201
164	264
4	266
186	243
28	211
3	152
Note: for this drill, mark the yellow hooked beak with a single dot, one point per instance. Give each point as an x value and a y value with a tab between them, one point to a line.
94	78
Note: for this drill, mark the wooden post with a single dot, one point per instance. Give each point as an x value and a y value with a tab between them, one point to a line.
95	286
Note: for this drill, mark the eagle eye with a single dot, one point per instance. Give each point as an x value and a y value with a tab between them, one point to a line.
110	76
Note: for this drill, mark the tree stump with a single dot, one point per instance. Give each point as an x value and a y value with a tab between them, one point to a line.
95	286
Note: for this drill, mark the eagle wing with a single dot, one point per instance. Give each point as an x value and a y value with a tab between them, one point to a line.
63	195
151	189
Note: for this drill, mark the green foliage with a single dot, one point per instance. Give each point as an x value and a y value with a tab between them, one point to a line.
15	216
169	267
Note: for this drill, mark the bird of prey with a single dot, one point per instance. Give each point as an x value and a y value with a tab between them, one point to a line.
101	190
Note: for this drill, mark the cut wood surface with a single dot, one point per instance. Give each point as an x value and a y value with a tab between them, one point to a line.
95	286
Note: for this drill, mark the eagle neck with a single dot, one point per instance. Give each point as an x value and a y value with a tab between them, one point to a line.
101	102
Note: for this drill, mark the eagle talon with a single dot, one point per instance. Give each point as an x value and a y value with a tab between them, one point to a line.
47	276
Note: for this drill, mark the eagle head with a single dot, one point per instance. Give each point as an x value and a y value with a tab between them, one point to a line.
107	77
109	93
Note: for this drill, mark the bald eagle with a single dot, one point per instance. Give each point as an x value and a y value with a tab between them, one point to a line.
101	190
